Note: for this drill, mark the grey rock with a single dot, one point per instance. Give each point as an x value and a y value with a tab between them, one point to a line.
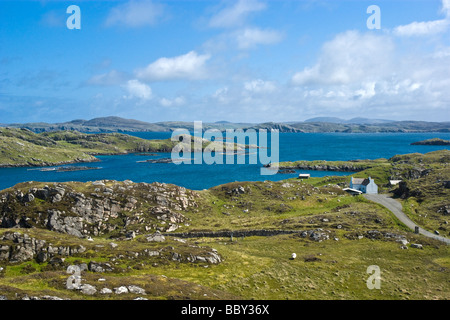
113	245
88	289
404	242
99	267
156	237
29	197
136	289
4	252
416	245
121	290
22	254
151	253
83	267
46	297
56	260
106	291
130	235
42	257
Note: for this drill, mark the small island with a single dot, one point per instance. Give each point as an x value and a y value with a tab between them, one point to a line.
432	142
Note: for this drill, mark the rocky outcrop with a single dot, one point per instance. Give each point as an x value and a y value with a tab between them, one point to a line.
17	247
102	207
375	235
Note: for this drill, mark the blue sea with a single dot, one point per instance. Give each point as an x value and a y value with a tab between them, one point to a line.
292	146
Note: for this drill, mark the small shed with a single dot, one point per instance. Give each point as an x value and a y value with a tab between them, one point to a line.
353	192
304	176
394	182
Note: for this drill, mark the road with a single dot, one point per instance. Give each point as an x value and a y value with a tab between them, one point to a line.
396	208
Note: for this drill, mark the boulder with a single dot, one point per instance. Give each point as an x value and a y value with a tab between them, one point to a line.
136	289
105	291
100	267
88	289
156	237
121	290
42	257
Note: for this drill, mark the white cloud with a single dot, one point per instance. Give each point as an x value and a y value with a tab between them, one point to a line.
236	14
425	28
187	66
446	7
350	57
178	101
135	13
422	28
251	37
112	77
368	91
221	95
259	86
137	89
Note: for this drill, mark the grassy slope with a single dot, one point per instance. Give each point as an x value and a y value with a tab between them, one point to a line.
24	148
423	176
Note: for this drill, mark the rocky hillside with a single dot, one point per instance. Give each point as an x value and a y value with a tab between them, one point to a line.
98	208
124	240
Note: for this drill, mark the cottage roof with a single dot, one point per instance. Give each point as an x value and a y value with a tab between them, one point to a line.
361	181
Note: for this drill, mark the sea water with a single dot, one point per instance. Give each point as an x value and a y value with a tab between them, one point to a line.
293	146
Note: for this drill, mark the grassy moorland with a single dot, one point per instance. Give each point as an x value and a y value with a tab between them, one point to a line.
424	190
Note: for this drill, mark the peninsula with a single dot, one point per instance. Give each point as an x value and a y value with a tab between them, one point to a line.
24	148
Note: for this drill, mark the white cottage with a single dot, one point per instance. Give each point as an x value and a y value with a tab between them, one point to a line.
367	185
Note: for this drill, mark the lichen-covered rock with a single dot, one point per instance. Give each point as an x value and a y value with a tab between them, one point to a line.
93	209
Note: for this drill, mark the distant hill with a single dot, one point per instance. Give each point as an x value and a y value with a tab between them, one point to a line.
351	121
320	124
326	119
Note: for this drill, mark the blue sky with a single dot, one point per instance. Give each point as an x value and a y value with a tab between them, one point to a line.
240	60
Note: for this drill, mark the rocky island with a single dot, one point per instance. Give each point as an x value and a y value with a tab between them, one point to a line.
432	142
